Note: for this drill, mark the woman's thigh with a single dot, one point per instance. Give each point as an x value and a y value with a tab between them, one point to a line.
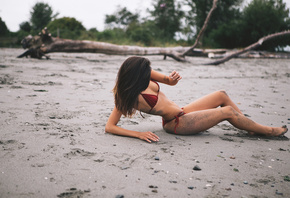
198	121
209	101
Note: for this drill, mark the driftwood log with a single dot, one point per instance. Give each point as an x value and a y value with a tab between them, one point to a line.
42	44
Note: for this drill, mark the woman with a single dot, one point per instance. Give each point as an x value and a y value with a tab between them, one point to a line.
137	89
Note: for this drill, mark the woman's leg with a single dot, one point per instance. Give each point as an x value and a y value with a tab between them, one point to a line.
199	121
213	100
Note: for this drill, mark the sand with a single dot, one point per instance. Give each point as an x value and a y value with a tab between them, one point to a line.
53	143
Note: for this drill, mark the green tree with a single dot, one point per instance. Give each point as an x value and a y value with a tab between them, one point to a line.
3	28
259	18
67	27
263	17
167	15
25	26
198	9
142	32
41	15
121	18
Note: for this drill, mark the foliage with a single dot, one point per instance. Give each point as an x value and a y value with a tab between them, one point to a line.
25	26
142	32
167	15
132	28
3	28
121	18
256	25
252	25
41	15
66	27
198	10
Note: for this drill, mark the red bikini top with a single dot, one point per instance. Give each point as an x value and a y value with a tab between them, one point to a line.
150	98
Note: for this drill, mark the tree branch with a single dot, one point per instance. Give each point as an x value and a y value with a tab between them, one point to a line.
202	29
250	47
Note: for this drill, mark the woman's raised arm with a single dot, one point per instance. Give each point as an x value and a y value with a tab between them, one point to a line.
111	127
172	79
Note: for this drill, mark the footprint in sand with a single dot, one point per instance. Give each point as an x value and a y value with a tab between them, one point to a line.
78	152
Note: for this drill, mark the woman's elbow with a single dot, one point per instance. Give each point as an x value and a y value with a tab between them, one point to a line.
108	128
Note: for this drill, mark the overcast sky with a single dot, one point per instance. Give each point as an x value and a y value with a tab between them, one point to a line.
91	13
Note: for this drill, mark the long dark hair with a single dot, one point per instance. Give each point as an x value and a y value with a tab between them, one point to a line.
133	78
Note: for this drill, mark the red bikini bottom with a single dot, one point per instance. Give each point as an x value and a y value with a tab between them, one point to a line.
164	122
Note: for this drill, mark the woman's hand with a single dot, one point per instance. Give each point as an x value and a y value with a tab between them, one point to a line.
175	76
148	136
172	79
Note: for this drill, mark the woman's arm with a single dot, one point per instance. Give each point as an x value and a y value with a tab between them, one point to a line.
111	127
172	79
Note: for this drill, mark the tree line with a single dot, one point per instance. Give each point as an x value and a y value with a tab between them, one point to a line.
169	23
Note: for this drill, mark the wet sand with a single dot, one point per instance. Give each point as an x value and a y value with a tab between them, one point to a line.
53	144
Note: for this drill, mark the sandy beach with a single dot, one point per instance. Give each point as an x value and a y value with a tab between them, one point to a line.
53	143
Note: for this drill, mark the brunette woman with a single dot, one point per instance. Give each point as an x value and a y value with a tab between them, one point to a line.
137	89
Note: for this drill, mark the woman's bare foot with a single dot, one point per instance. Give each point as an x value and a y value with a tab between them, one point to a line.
276	131
279	131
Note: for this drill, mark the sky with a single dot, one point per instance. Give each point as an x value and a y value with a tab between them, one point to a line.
91	13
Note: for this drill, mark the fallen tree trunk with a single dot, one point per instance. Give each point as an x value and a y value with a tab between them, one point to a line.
39	46
250	47
43	44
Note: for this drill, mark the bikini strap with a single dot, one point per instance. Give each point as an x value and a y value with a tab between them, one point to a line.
177	120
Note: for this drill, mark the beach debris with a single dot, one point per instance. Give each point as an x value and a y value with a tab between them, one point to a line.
278	193
232	184
280	149
125	167
208	185
37	165
152	186
245	182
79	152
119	196
196	168
287	178
73	192
220	156
40	90
156	158
99	160
236	170
173	181
190	187
228	189
155	191
232	157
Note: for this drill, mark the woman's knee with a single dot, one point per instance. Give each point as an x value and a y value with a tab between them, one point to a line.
229	110
223	93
